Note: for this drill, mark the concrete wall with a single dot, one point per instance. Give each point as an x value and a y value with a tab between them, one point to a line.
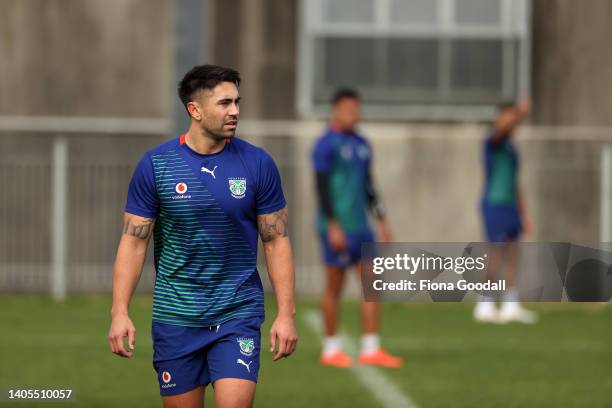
85	58
572	62
258	37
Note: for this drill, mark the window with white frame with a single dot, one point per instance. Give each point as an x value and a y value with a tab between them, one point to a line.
414	58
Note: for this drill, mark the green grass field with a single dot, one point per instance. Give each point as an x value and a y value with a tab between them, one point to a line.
565	360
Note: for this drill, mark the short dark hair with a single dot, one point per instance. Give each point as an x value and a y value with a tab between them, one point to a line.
507	104
205	77
342	93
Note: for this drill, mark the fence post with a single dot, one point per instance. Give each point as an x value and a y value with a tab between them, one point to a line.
59	192
605	188
190	44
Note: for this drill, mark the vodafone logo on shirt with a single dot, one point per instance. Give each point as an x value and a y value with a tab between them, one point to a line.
181	189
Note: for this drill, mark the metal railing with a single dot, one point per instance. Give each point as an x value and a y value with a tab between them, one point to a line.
63	186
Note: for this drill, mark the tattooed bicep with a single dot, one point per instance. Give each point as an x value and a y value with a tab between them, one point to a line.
136	226
273	225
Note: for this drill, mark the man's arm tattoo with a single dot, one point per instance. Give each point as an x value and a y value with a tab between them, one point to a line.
273	225
142	229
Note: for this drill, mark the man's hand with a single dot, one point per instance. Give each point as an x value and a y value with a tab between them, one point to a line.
526	226
385	231
336	237
283	337
122	327
524	106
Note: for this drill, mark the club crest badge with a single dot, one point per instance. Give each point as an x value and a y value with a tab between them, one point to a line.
237	187
246	346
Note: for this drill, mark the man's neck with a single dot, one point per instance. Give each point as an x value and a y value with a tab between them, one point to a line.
334	126
202	142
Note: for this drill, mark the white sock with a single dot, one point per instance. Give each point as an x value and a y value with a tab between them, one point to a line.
485	305
331	345
370	343
511	296
482	298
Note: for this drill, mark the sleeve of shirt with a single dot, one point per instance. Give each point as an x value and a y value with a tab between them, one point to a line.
269	196
322	156
142	198
489	144
370	155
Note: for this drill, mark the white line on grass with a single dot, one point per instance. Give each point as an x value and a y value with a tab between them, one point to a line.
373	379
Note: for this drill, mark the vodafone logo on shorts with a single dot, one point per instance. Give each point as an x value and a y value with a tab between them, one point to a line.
181	188
166	378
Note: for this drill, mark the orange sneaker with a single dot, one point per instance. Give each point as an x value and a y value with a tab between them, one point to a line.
381	358
338	359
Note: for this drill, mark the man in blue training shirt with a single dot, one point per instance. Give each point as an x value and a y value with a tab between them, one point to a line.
205	197
342	160
504	215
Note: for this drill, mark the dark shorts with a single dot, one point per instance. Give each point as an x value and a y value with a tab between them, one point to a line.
502	222
187	357
352	254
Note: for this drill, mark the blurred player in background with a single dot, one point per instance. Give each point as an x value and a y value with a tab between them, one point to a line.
207	195
345	190
504	215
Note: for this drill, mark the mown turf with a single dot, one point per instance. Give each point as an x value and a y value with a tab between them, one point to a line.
565	360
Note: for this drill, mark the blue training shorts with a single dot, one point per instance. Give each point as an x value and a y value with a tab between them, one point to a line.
188	357
502	222
352	254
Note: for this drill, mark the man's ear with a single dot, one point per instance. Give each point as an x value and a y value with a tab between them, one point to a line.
194	110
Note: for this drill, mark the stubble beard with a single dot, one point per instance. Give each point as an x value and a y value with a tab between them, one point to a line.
218	134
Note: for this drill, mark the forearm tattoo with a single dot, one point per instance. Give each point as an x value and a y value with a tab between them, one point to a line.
273	225
140	229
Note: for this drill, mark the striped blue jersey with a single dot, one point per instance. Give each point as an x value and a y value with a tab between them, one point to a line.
205	236
501	162
346	157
